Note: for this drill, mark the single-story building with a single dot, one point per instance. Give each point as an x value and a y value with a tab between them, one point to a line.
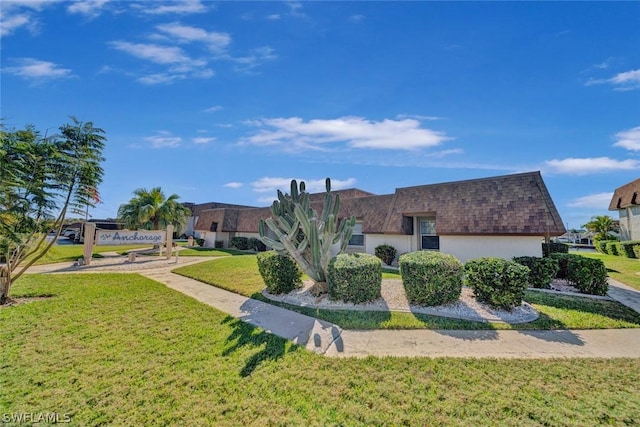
626	200
503	216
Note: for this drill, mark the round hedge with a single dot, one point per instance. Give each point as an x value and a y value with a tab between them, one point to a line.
431	278
355	278
497	282
280	273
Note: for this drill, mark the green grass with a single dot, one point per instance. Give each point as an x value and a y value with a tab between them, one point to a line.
198	251
69	253
240	275
625	270
113	349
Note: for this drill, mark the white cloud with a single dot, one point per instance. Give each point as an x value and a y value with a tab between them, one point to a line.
203	140
585	166
628	80
35	69
295	8
295	134
356	18
179	65
418	117
629	139
16	14
164	139
272	184
216	42
273	17
213	109
594	201
90	8
178	7
152	52
11	23
256	57
233	184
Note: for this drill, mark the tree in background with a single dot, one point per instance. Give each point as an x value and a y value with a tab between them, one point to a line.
150	210
601	225
41	180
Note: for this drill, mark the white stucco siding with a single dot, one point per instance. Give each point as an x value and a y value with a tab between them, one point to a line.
402	243
630	223
467	247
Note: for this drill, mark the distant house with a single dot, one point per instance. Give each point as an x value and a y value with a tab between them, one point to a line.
626	200
502	216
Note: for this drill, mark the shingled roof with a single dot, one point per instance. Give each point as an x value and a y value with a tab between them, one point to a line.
510	204
517	204
625	196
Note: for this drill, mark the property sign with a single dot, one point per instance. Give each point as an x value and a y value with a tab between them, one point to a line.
123	237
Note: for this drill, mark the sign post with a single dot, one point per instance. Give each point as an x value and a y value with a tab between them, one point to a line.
89	233
169	240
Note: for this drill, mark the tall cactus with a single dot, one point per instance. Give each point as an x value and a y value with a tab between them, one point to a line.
304	235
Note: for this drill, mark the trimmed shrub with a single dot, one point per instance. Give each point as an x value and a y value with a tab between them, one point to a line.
199	242
563	263
588	275
355	278
636	250
611	247
541	270
431	278
554	248
601	246
625	248
256	244
386	253
219	244
280	273
497	282
241	243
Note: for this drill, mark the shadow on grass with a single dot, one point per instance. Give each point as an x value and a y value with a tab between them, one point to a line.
247	336
611	309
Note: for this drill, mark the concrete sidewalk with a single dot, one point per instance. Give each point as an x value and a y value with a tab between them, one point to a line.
329	339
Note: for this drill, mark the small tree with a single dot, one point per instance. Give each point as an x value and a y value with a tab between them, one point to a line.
601	225
150	209
41	180
306	236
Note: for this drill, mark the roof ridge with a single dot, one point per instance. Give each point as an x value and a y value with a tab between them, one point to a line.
488	178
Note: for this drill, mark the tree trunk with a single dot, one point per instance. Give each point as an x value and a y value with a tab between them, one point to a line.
319	288
5	284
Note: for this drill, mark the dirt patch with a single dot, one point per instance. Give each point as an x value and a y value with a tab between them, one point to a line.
11	302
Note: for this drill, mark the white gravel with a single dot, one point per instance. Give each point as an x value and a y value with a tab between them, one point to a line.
394	299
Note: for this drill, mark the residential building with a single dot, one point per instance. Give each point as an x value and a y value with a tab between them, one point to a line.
503	216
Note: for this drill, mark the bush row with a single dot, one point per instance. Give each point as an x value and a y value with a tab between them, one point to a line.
626	248
435	278
247	243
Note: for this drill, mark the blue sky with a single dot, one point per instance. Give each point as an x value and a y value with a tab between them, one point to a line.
227	101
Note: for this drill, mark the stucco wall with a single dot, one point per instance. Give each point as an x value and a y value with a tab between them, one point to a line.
468	247
462	247
630	223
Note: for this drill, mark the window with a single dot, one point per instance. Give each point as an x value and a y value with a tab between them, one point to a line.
357	238
214	226
428	238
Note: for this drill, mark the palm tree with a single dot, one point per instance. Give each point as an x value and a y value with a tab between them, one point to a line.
150	210
601	225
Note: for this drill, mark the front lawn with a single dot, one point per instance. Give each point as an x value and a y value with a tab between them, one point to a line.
625	270
240	275
114	349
